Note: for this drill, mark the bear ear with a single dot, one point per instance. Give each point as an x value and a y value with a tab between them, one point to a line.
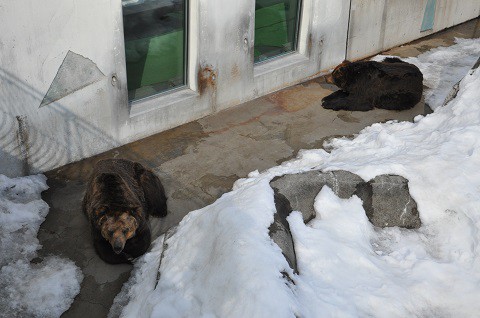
343	64
101	210
100	213
135	211
139	169
135	223
340	66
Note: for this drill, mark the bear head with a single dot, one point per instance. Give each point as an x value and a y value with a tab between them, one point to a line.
117	212
339	75
116	226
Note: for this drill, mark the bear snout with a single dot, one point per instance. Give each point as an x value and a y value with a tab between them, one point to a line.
118	245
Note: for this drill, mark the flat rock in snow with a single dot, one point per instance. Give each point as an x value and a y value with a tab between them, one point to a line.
387	202
302	188
279	230
386	198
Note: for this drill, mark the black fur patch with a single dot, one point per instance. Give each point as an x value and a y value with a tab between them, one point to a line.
391	84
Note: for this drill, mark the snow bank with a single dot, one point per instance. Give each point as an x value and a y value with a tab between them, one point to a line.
21	213
46	289
431	272
134	293
38	290
221	262
349	269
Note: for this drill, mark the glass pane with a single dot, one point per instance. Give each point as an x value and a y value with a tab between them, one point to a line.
154	45
276	24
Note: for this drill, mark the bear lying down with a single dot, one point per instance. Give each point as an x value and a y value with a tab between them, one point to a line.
120	196
391	84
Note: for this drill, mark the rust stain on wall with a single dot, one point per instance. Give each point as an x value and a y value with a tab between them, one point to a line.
235	71
207	78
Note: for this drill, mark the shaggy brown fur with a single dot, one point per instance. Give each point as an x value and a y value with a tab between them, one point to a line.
120	196
391	84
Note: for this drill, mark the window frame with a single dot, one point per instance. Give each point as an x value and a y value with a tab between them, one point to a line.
185	84
295	41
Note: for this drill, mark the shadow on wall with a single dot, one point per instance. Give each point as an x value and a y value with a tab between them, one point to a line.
34	140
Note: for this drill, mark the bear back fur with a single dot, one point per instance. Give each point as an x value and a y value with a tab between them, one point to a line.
120	183
391	84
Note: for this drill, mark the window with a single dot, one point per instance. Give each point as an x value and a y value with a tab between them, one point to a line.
154	46
276	28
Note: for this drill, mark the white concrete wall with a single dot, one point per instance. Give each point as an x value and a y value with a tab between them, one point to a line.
378	25
221	42
37	35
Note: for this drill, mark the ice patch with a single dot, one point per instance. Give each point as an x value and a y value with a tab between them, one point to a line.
38	290
21	213
45	289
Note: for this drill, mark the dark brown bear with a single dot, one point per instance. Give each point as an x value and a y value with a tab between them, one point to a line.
120	196
391	84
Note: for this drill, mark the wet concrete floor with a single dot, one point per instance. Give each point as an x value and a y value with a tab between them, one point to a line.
201	160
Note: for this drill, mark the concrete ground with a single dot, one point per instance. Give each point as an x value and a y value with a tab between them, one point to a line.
200	161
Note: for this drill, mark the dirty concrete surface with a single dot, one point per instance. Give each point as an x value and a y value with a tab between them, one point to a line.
201	160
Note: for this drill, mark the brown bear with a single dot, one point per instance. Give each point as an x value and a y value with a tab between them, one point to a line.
120	196
391	84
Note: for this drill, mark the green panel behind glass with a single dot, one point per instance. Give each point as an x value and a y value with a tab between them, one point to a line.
163	54
275	28
154	46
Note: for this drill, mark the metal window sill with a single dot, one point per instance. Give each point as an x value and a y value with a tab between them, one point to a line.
278	63
160	101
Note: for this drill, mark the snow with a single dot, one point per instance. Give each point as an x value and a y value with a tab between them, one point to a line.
220	262
21	213
27	289
363	272
201	277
